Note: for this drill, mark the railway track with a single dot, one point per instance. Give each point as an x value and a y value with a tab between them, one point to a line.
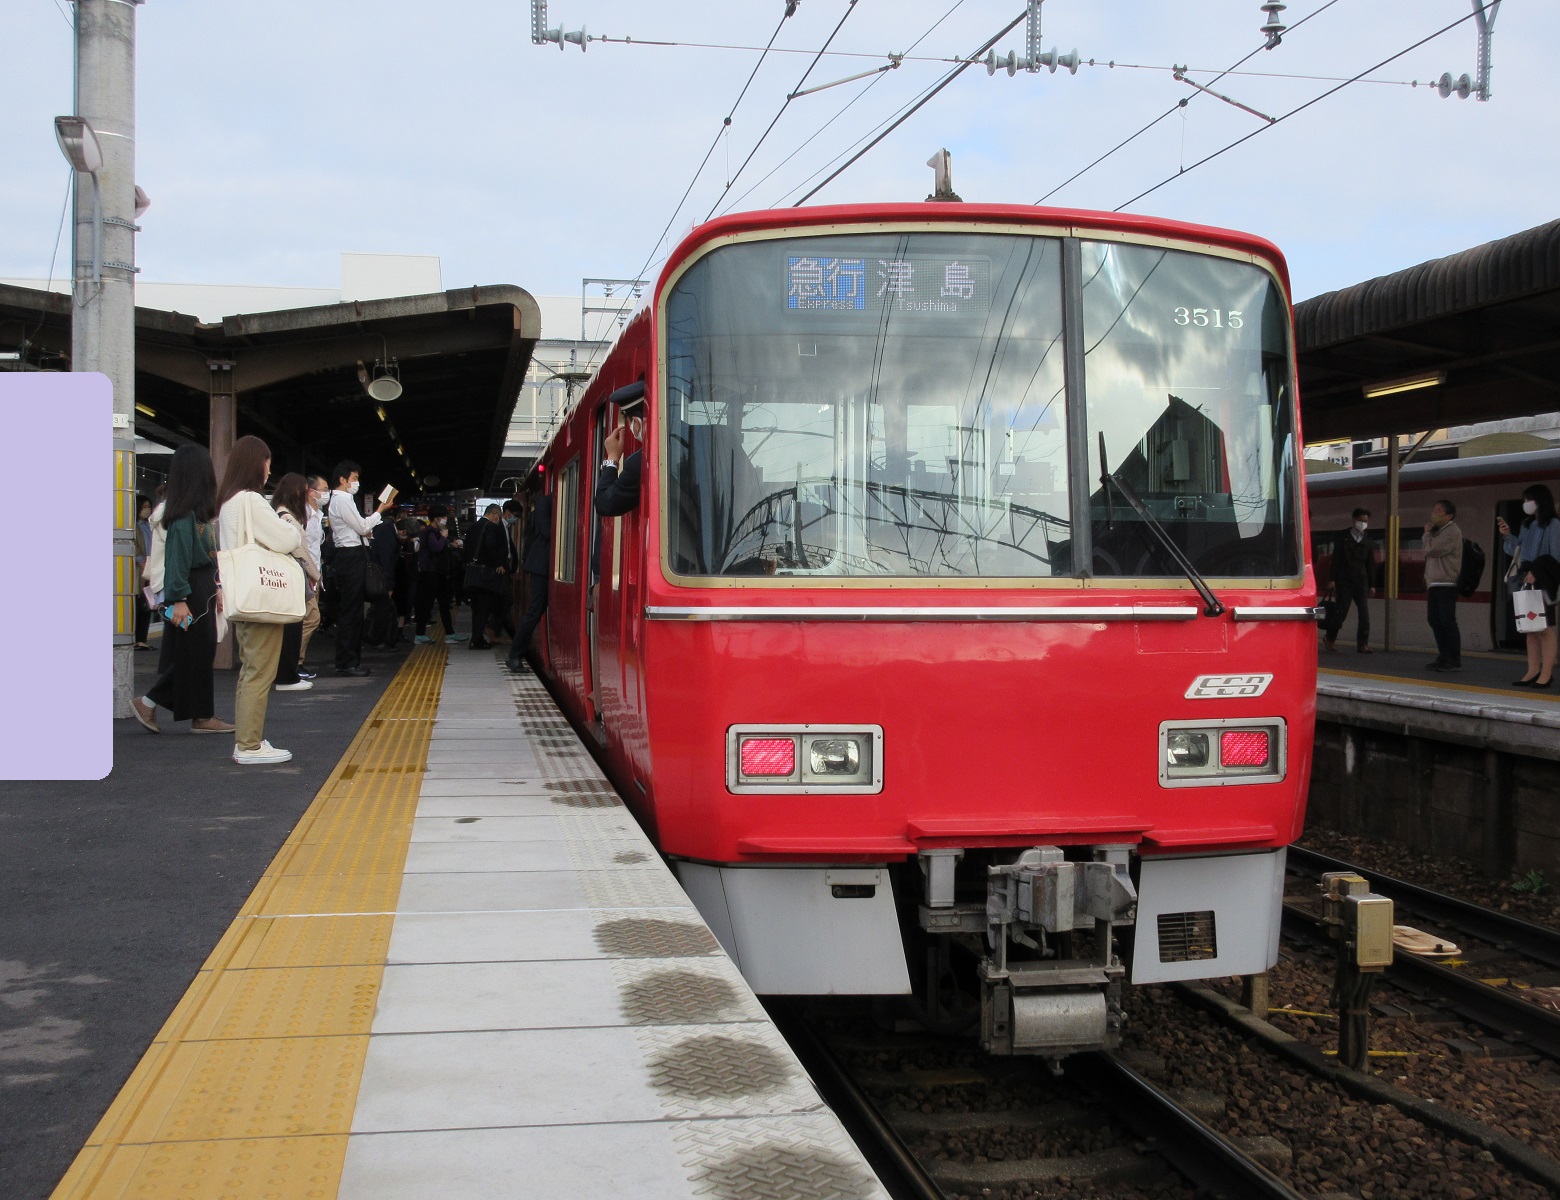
1498	929
1152	1140
1506	1011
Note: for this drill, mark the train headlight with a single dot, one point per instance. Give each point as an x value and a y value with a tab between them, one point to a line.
1183	748
804	758
834	756
1249	751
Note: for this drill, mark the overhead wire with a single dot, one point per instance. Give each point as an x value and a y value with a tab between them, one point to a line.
1299	109
1179	104
838	114
725	125
873	55
917	105
850	7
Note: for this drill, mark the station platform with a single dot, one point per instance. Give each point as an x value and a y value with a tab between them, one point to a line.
467	974
1475	706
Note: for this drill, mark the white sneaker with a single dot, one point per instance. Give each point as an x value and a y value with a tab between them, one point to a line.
302	685
264	755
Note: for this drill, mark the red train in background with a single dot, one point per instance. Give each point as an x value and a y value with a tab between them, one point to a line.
962	643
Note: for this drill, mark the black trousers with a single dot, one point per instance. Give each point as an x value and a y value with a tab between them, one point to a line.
1348	593
351	566
184	682
484	606
537	585
431	586
1441	610
143	619
292	643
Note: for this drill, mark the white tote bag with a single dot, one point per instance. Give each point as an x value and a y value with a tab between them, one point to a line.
260	585
1529	604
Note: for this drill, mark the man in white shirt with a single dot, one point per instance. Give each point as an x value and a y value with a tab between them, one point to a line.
349	531
314	538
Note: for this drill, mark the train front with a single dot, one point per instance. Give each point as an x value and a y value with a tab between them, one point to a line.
979	649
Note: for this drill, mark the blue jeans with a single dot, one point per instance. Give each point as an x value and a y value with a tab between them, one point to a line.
1441	609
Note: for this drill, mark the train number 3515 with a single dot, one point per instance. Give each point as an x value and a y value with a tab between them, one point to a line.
1215	318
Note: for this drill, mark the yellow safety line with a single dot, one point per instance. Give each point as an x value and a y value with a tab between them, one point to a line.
1509	693
248	1091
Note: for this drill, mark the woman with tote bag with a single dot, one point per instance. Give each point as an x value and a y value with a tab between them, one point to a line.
246	521
1535	565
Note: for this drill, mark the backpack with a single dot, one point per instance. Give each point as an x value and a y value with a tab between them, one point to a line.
1472	568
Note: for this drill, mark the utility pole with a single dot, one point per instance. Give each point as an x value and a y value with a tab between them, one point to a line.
103	314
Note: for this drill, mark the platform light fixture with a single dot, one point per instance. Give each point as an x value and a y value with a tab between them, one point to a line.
1408	383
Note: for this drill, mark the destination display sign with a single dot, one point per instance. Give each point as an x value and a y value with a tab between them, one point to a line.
912	284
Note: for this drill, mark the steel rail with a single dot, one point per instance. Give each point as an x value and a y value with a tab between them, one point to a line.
1504	1013
1198	1151
898	1171
1499	929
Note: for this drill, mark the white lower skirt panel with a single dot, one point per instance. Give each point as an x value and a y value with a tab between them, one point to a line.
1243	892
790	935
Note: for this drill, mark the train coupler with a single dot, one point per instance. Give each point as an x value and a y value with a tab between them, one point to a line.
1061	992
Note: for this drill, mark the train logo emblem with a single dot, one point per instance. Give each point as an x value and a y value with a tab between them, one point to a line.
1228	687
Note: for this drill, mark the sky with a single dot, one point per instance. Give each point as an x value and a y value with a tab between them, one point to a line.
271	137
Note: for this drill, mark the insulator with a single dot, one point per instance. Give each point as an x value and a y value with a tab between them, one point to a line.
1273	28
1446	86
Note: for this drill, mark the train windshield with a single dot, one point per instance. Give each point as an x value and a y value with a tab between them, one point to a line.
880	404
1187	378
895	405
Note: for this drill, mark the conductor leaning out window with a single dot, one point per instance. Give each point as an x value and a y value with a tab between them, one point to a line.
617	489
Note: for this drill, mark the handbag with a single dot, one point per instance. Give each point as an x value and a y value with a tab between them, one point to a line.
482	577
1529	605
260	585
374	586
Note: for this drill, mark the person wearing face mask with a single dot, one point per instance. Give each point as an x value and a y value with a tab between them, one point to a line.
350	533
433	582
314	539
1535	563
1353	559
1443	543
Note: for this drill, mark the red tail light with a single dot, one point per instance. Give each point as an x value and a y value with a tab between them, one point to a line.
768	756
1243	748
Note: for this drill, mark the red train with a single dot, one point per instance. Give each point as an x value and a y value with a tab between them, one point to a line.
962	643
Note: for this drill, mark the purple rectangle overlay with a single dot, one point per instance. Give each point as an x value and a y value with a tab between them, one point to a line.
57	479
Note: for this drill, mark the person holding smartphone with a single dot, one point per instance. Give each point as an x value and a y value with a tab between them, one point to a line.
191	598
1534	548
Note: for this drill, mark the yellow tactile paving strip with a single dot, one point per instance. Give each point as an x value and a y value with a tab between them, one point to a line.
248	1091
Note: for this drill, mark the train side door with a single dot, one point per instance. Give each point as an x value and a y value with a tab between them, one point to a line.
600	551
1503	618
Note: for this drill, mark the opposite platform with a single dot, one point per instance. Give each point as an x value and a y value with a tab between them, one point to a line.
468	974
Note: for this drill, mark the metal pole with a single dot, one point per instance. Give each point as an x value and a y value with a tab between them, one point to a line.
103	320
1391	590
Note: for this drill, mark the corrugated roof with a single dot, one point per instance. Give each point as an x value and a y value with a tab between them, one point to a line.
1496	272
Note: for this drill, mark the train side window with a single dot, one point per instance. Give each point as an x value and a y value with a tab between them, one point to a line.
566	524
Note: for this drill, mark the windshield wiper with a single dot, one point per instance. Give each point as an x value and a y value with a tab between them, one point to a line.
1212	605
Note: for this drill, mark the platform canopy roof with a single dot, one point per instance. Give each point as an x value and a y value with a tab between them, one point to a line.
1488	318
461	356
